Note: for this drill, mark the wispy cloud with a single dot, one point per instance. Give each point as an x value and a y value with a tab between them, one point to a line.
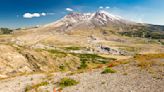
69	9
104	7
101	7
107	7
43	14
50	13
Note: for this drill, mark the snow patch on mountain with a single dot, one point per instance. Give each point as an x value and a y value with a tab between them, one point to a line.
106	15
98	18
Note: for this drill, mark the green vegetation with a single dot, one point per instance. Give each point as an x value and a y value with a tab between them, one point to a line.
83	61
83	65
62	67
57	53
108	70
93	58
144	34
28	88
162	42
65	82
5	31
74	48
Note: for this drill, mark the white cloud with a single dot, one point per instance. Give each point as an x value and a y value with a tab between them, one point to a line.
36	15
107	7
43	14
33	15
101	7
69	9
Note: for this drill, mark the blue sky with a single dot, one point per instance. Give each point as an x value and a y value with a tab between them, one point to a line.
23	13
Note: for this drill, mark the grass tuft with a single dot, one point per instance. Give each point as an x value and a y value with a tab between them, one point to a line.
108	70
66	82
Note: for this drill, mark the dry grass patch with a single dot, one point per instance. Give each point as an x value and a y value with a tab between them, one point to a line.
148	60
28	87
118	62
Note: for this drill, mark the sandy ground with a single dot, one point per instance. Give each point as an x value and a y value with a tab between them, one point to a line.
135	80
18	84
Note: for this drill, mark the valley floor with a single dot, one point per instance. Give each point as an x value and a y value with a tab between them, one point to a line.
128	78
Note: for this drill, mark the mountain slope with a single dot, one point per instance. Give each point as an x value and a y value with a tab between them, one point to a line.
98	19
103	20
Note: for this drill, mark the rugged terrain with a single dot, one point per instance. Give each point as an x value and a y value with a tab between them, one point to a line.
81	46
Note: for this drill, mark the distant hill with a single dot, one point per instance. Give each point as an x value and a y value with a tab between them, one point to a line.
5	31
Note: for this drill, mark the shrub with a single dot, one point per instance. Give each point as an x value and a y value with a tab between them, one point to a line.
93	58
162	43
65	82
83	65
108	70
62	67
28	88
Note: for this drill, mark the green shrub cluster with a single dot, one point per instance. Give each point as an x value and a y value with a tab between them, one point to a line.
94	58
57	53
62	67
65	82
108	70
83	65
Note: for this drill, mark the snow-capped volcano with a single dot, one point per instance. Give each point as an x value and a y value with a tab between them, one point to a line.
106	16
99	18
